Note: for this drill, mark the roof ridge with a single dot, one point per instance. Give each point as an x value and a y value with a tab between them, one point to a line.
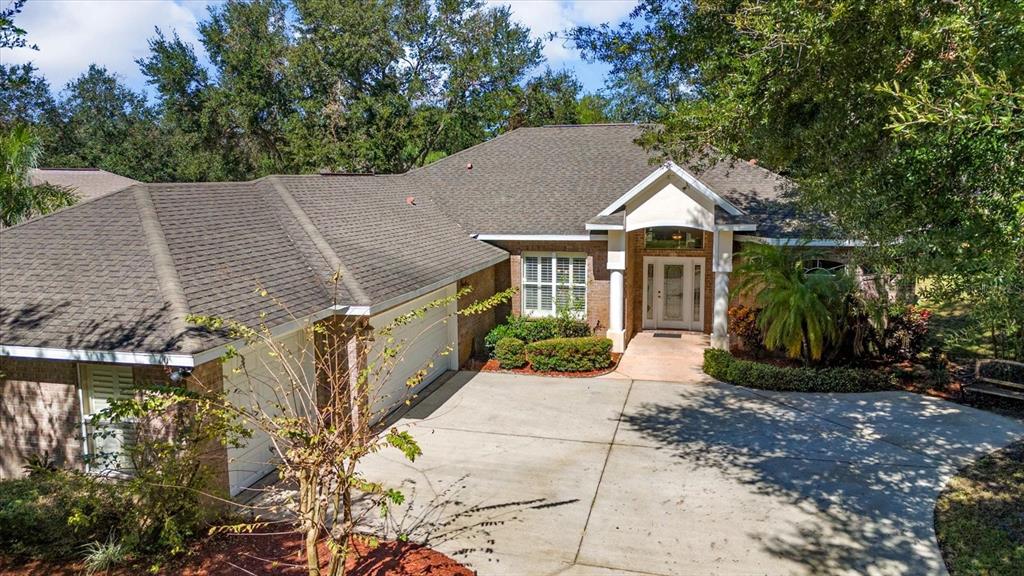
453	155
168	281
322	246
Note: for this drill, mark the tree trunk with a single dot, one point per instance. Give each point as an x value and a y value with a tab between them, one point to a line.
309	516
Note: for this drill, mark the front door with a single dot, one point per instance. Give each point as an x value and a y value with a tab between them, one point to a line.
673	293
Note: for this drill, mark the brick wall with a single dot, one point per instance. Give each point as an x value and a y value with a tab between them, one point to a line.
473	328
597	274
40	411
635	252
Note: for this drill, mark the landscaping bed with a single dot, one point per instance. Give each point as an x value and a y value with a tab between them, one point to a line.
493	365
723	366
264	554
979	517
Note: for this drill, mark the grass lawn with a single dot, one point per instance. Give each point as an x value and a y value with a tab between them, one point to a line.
954	331
979	517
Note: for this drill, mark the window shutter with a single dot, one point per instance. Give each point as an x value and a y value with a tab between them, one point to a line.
531	266
106	383
579	270
545	270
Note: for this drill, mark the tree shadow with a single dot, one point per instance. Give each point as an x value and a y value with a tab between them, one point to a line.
858	474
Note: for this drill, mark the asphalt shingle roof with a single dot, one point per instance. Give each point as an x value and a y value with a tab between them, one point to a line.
84	277
555	179
87	183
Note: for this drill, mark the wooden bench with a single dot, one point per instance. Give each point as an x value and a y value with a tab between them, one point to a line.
998	378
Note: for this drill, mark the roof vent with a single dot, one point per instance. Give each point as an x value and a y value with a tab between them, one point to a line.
469	166
752	161
410	200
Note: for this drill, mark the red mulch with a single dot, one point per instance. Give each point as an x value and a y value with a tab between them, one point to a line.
492	366
264	554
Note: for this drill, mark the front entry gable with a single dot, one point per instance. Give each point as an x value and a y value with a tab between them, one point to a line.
669	196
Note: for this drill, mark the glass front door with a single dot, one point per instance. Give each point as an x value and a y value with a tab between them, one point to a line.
674	293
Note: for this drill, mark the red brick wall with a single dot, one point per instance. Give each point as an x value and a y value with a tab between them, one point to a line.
635	252
473	328
597	274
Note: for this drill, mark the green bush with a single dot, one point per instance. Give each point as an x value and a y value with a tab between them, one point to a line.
721	365
510	352
54	514
570	354
534	329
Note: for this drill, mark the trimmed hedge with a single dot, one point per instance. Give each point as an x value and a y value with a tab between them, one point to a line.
722	365
510	352
570	354
534	329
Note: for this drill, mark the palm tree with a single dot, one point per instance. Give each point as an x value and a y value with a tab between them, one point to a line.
800	310
19	199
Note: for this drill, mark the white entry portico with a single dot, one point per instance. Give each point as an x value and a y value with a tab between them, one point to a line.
673	285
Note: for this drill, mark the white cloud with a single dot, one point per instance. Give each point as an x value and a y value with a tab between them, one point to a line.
73	34
546	16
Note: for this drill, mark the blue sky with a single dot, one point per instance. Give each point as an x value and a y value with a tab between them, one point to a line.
71	34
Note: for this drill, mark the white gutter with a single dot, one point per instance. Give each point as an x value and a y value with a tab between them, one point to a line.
182	360
540	237
818	243
605	227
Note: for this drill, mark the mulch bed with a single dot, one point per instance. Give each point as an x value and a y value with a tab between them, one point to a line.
265	554
492	366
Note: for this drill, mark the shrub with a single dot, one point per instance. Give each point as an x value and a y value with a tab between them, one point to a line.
510	352
54	514
534	329
906	332
722	365
570	354
743	323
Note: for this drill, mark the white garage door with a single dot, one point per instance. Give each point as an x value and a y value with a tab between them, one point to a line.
425	340
258	388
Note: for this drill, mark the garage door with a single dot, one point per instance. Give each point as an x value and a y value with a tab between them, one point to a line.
257	386
425	340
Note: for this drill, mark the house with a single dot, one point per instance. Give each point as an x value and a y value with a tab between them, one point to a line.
94	298
87	183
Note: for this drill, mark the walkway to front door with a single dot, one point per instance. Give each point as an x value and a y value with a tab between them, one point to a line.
665	356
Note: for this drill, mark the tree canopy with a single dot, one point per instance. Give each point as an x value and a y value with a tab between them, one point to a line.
902	119
297	86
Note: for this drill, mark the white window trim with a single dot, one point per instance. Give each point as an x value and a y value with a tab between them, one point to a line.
553	256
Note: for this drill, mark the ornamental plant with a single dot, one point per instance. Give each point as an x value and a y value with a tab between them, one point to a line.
322	424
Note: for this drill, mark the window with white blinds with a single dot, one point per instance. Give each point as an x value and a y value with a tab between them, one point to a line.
103	383
554	282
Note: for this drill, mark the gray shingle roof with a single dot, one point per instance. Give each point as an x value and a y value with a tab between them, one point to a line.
88	183
554	179
85	277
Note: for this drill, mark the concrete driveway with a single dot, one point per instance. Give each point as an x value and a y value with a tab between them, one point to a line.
533	476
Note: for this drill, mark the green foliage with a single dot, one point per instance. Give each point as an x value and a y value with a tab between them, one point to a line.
165	466
104	556
901	123
510	353
721	365
19	199
565	325
53	514
798	309
570	354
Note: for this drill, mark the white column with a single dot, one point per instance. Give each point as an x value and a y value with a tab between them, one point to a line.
617	289
722	266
